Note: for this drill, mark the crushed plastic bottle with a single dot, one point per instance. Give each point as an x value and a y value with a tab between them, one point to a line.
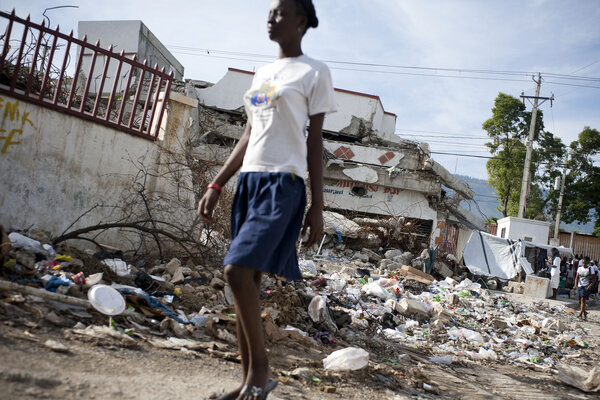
444	360
18	240
199	320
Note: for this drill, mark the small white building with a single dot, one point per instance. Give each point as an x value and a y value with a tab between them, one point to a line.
227	94
134	39
525	229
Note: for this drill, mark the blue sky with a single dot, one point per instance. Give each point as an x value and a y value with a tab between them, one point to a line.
548	36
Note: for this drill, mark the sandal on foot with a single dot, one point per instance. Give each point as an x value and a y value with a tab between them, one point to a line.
223	396
257	392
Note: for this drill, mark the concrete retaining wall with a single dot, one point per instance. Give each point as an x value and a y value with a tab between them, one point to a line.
56	167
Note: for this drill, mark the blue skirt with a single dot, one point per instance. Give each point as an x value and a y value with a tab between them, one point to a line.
582	292
266	219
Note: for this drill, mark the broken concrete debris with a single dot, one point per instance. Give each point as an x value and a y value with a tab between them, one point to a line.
355	310
368	169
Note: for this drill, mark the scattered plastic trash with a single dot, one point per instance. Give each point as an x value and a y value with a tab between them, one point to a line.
18	240
198	320
79	278
443	360
374	289
468	334
106	300
307	268
118	266
56	281
351	358
350	296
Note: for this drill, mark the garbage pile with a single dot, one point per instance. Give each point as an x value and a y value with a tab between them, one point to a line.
357	308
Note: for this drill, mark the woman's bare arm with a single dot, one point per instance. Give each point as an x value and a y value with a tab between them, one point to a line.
314	143
207	203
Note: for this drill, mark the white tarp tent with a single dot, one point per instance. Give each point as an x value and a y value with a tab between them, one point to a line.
489	255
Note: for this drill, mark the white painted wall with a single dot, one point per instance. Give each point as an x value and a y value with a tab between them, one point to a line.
388	124
377	200
228	92
520	228
56	167
350	105
123	35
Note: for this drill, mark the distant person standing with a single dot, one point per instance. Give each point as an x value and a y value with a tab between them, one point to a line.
596	272
554	266
584	281
576	261
570	275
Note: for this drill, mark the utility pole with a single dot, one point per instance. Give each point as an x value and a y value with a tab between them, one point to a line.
560	198
529	143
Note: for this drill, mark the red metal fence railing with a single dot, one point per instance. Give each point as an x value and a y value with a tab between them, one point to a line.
44	66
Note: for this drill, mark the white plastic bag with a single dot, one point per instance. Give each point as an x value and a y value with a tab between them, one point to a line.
18	240
307	267
118	266
471	336
348	359
374	289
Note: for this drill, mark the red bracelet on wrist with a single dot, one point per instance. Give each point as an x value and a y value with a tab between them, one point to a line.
214	186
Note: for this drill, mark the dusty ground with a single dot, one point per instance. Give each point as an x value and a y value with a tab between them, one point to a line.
108	369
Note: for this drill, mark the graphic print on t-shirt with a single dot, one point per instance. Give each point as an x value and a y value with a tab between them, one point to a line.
265	95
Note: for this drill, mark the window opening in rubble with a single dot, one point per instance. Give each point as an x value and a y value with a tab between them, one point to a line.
503	233
423	228
328	135
359	191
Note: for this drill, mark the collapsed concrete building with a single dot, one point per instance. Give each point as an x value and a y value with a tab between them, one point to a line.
369	171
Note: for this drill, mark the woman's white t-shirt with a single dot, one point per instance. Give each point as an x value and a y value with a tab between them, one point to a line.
585	277
282	97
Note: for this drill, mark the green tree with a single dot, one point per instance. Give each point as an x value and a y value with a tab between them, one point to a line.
508	128
582	188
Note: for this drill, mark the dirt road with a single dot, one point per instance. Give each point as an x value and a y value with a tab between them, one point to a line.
96	368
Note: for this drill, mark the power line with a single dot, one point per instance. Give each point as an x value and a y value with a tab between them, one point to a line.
486	157
450	134
396	66
572	84
267	58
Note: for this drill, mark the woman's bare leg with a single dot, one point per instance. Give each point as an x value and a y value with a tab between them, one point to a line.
243	343
581	307
247	305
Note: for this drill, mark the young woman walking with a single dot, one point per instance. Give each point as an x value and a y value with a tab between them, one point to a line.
584	282
274	154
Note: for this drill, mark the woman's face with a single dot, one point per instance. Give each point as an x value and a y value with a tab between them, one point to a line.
285	24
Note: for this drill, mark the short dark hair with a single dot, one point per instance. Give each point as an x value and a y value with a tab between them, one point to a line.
586	258
307	8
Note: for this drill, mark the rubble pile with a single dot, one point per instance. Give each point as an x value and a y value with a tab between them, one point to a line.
371	312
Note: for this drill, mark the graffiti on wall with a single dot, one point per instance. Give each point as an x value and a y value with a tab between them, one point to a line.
364	190
13	122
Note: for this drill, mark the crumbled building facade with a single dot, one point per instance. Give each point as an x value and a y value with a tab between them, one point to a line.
368	170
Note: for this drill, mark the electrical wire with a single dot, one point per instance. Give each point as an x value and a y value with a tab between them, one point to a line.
488	157
262	58
396	66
